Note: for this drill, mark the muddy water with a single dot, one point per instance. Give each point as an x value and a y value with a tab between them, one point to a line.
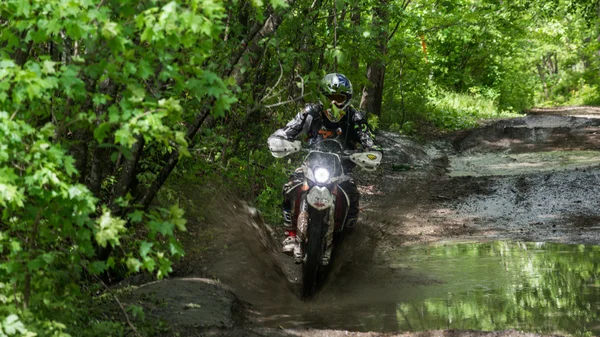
490	286
541	187
494	164
535	287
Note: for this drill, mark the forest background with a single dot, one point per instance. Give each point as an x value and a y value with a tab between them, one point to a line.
101	101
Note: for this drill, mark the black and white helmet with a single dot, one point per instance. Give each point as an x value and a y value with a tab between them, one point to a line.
338	92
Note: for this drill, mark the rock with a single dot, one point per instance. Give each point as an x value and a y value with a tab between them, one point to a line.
206	303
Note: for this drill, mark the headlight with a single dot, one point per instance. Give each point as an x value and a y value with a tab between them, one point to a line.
321	175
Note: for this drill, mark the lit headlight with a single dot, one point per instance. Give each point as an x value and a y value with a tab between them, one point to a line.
321	175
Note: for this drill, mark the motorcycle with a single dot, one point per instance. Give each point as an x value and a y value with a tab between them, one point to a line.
321	205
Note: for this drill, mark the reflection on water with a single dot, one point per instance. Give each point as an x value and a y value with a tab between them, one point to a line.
494	286
533	287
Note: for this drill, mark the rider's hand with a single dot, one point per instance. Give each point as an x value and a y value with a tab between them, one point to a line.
374	148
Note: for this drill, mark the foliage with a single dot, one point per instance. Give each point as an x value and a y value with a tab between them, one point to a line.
453	111
85	85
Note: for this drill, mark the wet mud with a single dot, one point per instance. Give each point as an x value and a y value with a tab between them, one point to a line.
447	229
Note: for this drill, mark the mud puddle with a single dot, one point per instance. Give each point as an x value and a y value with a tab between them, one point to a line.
486	286
494	164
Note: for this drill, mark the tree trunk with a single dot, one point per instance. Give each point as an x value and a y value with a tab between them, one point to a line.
127	176
355	19
543	80
372	96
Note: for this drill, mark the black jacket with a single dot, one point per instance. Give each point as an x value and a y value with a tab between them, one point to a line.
353	126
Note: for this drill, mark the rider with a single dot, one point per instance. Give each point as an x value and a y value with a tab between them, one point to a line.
336	116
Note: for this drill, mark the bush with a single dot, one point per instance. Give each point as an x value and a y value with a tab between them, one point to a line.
452	111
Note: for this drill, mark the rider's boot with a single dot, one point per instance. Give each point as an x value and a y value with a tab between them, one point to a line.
291	245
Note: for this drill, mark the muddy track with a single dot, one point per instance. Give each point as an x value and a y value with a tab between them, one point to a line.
533	179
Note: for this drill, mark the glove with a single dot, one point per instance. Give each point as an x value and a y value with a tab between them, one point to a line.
374	148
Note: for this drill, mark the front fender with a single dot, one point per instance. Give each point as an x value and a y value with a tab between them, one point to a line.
320	198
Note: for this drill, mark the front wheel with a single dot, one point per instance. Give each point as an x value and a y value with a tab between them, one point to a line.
313	250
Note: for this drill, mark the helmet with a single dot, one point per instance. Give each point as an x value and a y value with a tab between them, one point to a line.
338	91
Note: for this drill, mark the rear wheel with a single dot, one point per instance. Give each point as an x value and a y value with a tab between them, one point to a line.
313	249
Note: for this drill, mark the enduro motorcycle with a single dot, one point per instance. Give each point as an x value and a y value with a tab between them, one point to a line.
321	205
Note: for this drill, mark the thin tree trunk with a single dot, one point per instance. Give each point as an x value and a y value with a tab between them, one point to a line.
402	105
373	95
543	79
127	175
355	19
31	248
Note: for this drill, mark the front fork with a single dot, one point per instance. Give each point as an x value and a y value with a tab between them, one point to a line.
303	223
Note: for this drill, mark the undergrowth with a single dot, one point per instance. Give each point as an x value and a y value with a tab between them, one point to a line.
453	111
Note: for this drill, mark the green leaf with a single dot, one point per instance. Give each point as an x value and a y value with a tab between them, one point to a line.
145	248
149	264
101	132
177	217
279	4
137	93
110	29
12	325
36	264
163	227
133	264
75	192
109	229
48	67
136	216
176	248
137	312
144	69
97	267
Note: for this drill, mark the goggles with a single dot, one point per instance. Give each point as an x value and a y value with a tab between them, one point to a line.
336	98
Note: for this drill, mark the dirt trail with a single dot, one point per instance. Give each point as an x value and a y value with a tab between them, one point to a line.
575	111
533	179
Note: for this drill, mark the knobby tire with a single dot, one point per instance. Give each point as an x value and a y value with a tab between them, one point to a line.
313	250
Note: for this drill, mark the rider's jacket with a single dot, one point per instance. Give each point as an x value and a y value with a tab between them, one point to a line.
352	128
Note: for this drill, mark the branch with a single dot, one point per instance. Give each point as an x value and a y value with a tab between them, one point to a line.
344	12
250	45
276	83
404	6
285	102
302	95
117	300
394	31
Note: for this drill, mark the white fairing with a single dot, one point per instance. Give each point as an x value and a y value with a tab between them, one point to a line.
367	160
281	147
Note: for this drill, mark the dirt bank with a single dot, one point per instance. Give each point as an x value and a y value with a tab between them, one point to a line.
531	179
